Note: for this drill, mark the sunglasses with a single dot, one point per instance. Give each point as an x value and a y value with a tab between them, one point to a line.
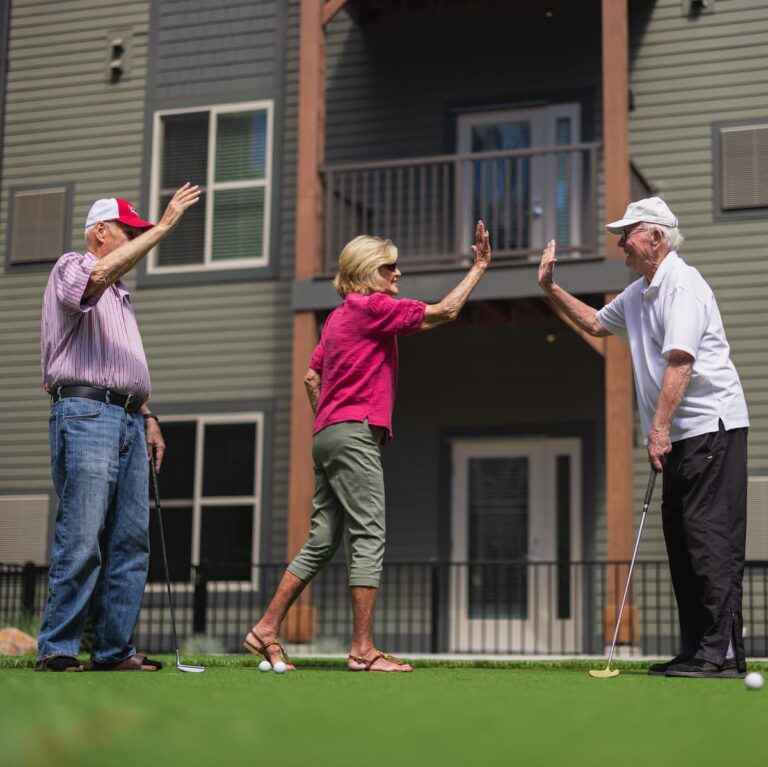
391	267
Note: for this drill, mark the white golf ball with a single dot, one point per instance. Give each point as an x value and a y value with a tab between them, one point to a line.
754	681
265	666
280	668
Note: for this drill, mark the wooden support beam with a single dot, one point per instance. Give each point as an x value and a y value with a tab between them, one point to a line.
300	622
331	8
619	401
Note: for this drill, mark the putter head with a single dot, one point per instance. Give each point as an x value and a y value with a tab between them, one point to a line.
189	669
604	673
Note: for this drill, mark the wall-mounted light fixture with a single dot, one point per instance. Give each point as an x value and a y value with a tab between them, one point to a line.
694	8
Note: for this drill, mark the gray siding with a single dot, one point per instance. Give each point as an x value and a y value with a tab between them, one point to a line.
395	87
212	341
220	342
64	123
686	74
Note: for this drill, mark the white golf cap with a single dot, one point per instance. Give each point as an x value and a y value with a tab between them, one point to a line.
115	209
652	210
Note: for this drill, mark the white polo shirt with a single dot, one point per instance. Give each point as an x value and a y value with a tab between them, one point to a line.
678	311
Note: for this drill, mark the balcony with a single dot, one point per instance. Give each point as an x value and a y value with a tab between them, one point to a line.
428	206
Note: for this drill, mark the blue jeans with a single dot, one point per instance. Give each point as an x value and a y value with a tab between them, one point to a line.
100	551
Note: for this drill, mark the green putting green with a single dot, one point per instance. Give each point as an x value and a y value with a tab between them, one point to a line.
522	714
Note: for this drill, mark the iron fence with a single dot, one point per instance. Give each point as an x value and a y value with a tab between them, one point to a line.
429	205
526	608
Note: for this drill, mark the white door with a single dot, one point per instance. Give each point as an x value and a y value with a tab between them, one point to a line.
516	526
528	199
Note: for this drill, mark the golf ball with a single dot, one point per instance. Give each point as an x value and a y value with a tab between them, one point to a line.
265	666
754	681
280	668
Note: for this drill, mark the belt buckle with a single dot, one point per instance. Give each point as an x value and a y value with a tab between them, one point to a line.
130	401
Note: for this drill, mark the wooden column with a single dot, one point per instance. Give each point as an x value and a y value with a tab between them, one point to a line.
619	402
300	622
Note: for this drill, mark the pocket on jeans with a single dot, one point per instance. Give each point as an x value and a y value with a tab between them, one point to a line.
79	407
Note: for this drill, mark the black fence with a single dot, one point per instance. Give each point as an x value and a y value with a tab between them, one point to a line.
526	608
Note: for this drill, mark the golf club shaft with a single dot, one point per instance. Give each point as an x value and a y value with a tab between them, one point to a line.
156	489
646	503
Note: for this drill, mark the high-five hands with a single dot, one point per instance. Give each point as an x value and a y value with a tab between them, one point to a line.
482	247
547	266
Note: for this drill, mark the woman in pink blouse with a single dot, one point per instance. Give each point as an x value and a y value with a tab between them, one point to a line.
351	385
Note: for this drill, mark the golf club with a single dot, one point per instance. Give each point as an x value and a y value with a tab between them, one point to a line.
179	665
607	671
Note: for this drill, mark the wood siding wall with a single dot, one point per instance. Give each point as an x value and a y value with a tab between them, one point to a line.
64	123
227	341
205	343
687	73
395	86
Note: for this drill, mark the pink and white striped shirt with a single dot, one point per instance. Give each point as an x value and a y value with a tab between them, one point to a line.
93	341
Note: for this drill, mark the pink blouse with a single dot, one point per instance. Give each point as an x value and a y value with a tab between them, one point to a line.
357	358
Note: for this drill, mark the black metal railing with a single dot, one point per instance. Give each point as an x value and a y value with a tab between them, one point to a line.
428	206
527	608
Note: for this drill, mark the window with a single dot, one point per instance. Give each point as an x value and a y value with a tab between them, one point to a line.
741	170
210	488
226	150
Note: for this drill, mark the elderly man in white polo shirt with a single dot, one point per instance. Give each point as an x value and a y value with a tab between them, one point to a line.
694	419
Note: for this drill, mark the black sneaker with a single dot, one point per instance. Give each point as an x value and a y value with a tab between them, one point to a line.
660	669
698	668
58	663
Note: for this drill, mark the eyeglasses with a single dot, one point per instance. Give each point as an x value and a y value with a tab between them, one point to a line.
627	230
391	267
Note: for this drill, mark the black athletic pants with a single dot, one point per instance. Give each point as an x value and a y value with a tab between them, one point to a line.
704	511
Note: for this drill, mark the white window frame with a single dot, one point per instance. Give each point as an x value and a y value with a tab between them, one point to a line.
208	185
198	500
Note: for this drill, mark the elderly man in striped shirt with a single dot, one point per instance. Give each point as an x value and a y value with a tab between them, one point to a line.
101	434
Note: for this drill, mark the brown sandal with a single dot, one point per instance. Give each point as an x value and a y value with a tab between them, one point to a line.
368	662
252	648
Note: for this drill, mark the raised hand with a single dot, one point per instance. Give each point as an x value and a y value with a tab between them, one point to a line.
482	247
547	266
185	197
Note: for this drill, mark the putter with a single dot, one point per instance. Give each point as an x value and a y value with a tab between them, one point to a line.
179	665
607	672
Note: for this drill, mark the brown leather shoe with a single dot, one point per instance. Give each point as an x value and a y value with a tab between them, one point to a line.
136	662
58	663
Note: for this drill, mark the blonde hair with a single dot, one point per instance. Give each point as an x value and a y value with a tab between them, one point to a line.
359	263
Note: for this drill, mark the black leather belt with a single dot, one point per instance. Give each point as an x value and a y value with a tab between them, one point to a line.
129	402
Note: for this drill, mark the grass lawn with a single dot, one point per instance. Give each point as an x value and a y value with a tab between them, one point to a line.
517	714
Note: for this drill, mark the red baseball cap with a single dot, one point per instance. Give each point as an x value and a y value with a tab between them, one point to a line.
114	209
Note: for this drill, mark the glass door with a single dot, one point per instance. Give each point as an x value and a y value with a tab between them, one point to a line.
525	197
516	522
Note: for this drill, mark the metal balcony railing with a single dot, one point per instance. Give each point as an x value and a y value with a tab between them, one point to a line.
428	206
494	608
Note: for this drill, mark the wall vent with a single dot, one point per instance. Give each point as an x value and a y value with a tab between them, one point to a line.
39	224
744	167
757	518
24	522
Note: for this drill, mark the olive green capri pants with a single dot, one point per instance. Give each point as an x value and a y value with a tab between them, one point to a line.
348	503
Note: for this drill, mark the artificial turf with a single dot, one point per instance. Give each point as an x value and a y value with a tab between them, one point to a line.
547	714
